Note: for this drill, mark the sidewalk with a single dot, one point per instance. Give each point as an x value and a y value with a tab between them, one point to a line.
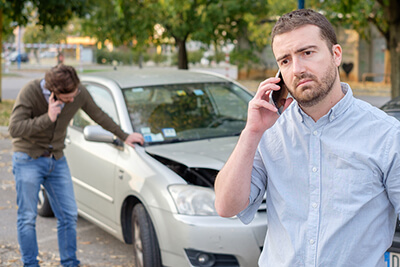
4	131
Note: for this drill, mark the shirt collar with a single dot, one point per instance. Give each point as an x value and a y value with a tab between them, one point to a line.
343	104
46	92
336	110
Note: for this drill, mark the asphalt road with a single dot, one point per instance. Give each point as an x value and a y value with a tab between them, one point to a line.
95	246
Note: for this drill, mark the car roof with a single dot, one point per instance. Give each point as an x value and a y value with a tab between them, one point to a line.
151	77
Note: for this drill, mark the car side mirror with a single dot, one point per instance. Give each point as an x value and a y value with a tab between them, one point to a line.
96	133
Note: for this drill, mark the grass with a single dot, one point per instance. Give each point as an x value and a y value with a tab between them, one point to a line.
5	111
10	74
93	70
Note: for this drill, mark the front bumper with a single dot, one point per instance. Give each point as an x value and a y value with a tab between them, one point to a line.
211	234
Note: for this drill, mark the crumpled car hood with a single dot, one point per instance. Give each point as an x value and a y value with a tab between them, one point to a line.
208	153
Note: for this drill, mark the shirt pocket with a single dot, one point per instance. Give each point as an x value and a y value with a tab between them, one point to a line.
350	183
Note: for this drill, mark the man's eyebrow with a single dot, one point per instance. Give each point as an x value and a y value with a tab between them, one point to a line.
306	48
302	49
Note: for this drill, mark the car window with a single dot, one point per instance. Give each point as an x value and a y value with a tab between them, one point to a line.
103	98
182	112
227	101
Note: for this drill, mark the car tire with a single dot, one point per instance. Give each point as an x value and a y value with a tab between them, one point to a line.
145	245
43	206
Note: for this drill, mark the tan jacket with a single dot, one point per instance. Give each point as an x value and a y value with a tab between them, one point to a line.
33	131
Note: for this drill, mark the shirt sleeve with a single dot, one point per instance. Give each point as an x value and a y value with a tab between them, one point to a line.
257	192
23	123
391	177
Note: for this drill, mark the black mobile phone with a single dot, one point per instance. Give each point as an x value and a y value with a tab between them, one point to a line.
276	97
54	97
281	93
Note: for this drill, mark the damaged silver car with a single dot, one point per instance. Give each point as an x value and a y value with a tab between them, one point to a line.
160	196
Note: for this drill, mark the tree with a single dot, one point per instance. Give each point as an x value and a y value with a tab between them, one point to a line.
123	22
148	22
210	21
240	22
384	14
180	19
49	12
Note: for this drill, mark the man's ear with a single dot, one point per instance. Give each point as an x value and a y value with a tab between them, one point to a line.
337	54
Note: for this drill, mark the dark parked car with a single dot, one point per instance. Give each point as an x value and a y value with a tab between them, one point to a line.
14	57
392	257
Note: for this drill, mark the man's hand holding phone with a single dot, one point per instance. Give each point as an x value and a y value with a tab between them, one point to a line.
54	107
279	97
263	111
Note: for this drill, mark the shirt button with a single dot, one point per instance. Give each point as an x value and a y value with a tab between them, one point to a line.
312	241
314	169
314	205
315	132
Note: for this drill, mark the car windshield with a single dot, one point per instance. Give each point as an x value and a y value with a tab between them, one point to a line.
184	112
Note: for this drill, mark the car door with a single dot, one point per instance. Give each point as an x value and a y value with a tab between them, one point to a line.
92	164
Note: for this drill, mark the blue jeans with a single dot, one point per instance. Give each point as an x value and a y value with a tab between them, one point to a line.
55	176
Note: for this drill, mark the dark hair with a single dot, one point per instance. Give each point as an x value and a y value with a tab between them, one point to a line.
303	17
61	79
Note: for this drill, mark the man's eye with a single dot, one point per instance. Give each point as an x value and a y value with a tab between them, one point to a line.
284	62
307	53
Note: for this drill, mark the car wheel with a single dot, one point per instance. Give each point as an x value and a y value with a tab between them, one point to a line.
145	245
43	207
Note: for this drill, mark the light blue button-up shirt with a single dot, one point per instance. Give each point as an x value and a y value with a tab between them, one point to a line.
332	186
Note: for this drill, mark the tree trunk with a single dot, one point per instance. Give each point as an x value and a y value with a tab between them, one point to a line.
395	57
386	78
1	50
393	15
182	54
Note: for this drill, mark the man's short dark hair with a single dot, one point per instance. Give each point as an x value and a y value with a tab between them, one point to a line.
303	17
61	79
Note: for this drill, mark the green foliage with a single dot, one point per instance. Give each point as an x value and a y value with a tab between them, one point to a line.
218	57
121	22
44	34
174	59
158	58
139	23
354	14
5	111
125	57
106	57
195	56
49	12
244	58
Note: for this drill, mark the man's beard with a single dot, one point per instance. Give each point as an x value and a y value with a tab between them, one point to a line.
317	92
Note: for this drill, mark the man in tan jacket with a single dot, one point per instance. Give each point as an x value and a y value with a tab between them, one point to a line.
38	126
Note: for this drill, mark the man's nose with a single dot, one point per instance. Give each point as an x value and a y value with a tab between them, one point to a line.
298	66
